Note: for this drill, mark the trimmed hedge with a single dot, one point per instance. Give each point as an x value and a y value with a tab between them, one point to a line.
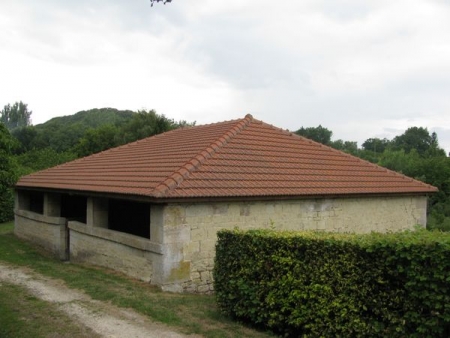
336	285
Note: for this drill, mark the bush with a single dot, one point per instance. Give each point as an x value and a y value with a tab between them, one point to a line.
336	285
6	204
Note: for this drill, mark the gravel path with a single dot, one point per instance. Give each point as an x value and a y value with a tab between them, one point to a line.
105	319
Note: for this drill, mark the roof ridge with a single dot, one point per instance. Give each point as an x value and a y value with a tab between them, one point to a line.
173	180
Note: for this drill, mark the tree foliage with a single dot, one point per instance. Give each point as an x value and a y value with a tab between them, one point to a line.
349	147
26	136
7	175
141	125
63	133
417	138
144	124
40	159
319	134
96	140
376	145
15	116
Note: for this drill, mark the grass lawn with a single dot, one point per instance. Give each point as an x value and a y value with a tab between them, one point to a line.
188	313
24	315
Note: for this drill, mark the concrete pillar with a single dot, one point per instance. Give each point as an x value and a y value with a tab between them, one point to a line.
97	212
170	269
52	205
156	223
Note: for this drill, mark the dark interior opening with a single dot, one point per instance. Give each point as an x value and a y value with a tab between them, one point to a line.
36	202
129	217
74	207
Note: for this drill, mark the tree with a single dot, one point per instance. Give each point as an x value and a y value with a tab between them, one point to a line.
96	140
401	161
16	116
413	138
7	176
434	150
144	124
318	134
376	145
26	136
64	132
349	147
40	159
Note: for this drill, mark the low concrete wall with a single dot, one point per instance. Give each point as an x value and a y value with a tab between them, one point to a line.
132	255
359	215
48	232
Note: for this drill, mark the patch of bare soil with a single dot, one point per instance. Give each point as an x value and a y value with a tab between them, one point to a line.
104	319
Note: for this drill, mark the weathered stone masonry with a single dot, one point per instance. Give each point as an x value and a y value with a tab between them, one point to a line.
360	215
47	229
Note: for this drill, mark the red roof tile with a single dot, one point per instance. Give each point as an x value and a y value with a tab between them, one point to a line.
244	157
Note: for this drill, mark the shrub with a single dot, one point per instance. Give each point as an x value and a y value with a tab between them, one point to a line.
336	285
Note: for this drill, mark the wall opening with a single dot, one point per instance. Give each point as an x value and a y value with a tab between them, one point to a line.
73	207
36	199
129	217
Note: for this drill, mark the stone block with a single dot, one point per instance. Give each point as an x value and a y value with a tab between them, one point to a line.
208	245
174	215
191	248
199	234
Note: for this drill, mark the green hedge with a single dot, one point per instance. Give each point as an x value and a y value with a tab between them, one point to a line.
336	285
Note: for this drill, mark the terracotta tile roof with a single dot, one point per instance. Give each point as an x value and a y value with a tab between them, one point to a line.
244	157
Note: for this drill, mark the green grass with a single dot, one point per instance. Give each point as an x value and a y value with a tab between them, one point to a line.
24	315
6	228
187	313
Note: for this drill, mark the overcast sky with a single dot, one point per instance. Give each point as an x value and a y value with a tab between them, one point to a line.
359	68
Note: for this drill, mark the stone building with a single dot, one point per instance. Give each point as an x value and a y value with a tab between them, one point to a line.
152	208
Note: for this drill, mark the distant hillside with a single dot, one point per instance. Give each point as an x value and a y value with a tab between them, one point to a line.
62	133
92	118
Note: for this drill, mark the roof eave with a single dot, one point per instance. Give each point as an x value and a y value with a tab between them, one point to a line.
217	199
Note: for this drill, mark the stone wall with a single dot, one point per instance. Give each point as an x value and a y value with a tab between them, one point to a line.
46	231
360	215
131	255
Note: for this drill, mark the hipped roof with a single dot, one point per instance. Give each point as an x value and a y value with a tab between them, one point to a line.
238	158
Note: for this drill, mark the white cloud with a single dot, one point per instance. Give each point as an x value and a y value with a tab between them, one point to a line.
355	67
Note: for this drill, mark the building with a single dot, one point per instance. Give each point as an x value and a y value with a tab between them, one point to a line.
152	208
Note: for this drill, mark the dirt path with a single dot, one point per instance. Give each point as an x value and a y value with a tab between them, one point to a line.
104	319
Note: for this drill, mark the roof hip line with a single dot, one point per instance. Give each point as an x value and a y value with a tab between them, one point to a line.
193	164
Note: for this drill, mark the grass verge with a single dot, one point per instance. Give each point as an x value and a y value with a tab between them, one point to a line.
188	313
24	315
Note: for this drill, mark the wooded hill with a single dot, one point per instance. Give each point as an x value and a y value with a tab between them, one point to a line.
91	131
63	133
25	148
